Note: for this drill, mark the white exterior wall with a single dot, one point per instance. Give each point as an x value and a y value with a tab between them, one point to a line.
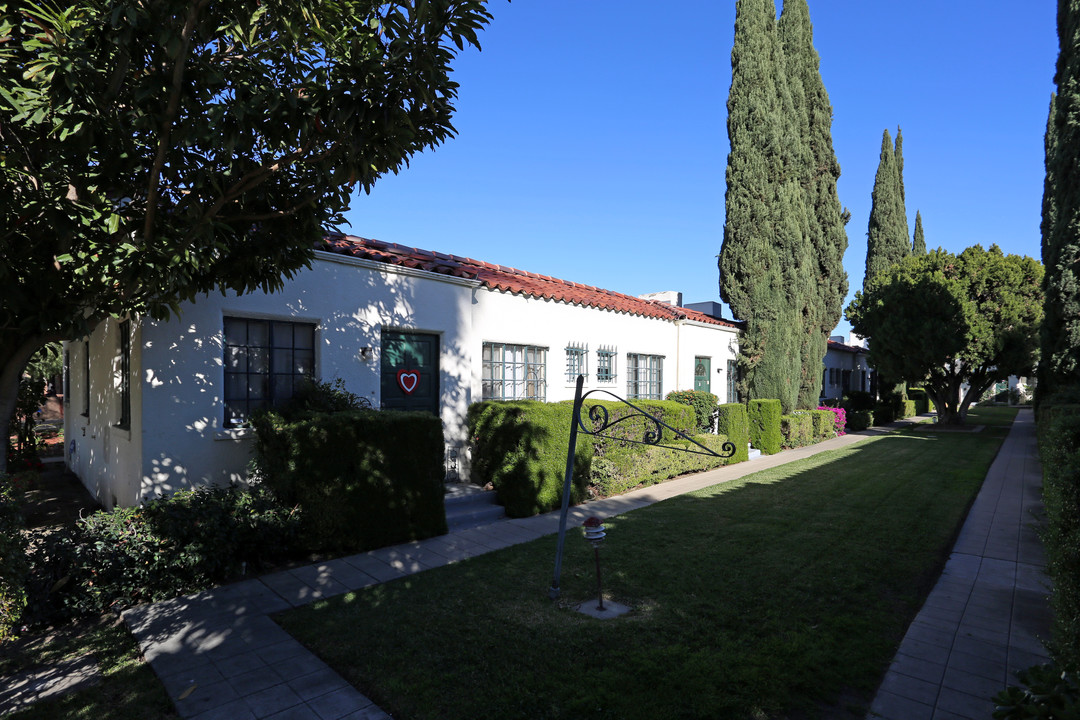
841	361
502	317
178	439
103	455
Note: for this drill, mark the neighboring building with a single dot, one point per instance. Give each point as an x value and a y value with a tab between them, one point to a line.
846	368
156	406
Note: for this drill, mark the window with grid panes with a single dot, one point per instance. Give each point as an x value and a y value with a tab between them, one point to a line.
124	421
577	362
644	376
514	372
264	361
605	365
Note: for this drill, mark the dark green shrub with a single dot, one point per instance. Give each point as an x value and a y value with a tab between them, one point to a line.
364	479
907	409
618	466
1049	693
824	424
731	421
858	420
520	448
1059	445
704	404
764	421
858	400
166	547
797	429
314	396
13	566
884	414
921	400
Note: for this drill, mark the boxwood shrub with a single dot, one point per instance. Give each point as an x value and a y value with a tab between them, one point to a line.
1059	446
704	404
520	448
764	420
618	467
797	429
859	420
732	421
363	478
824	424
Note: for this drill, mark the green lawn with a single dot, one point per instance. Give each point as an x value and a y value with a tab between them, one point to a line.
783	594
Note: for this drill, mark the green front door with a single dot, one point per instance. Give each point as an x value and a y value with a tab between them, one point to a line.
410	371
702	374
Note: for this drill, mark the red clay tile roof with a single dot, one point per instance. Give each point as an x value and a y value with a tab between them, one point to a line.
505	279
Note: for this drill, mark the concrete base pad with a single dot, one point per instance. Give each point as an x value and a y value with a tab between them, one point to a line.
611	609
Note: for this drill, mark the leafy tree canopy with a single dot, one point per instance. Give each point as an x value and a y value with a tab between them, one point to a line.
947	321
153	150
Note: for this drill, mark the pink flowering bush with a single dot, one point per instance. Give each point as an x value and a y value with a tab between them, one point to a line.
839	419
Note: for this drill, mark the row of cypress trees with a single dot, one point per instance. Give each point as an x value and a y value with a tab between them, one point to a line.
887	236
781	262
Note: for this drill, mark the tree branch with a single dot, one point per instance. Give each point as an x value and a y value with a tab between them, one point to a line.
169	118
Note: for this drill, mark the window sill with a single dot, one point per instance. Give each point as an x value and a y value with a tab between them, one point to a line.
238	433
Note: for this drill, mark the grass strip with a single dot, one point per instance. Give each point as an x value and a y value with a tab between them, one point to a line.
783	594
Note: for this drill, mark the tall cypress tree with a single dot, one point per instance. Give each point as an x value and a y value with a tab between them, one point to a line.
764	247
819	172
918	243
1060	339
887	238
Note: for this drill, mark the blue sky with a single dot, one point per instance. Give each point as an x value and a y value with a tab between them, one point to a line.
592	139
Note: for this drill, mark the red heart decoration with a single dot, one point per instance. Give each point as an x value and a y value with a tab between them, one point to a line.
407	380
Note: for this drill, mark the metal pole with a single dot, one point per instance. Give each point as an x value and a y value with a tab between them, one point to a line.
599	585
553	592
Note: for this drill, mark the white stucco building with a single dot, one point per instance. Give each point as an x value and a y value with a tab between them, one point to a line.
846	368
158	406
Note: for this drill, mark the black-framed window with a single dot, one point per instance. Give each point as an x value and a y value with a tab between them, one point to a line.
264	362
732	381
644	376
606	365
577	362
124	421
86	380
513	372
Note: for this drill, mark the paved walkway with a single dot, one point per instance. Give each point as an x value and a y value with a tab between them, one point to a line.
219	654
988	615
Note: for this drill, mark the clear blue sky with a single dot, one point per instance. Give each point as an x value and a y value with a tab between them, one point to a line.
592	138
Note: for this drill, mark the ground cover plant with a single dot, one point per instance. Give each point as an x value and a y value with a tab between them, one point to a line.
783	594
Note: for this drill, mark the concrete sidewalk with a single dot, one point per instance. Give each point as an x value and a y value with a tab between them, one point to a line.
988	615
219	655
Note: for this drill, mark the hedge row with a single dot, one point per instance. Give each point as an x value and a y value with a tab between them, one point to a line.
807	427
1059	445
364	478
764	419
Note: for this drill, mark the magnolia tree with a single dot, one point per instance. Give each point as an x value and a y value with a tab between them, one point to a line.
954	324
154	150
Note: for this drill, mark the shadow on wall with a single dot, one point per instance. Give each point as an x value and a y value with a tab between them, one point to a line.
185	442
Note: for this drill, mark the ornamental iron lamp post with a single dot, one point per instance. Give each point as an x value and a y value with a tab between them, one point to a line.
594	533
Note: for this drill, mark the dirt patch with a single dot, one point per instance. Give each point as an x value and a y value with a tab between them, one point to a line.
56	497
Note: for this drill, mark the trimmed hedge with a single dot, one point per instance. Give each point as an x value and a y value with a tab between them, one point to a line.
859	420
704	404
824	422
731	421
619	467
364	478
797	429
764	421
520	448
884	413
1059	445
922	401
